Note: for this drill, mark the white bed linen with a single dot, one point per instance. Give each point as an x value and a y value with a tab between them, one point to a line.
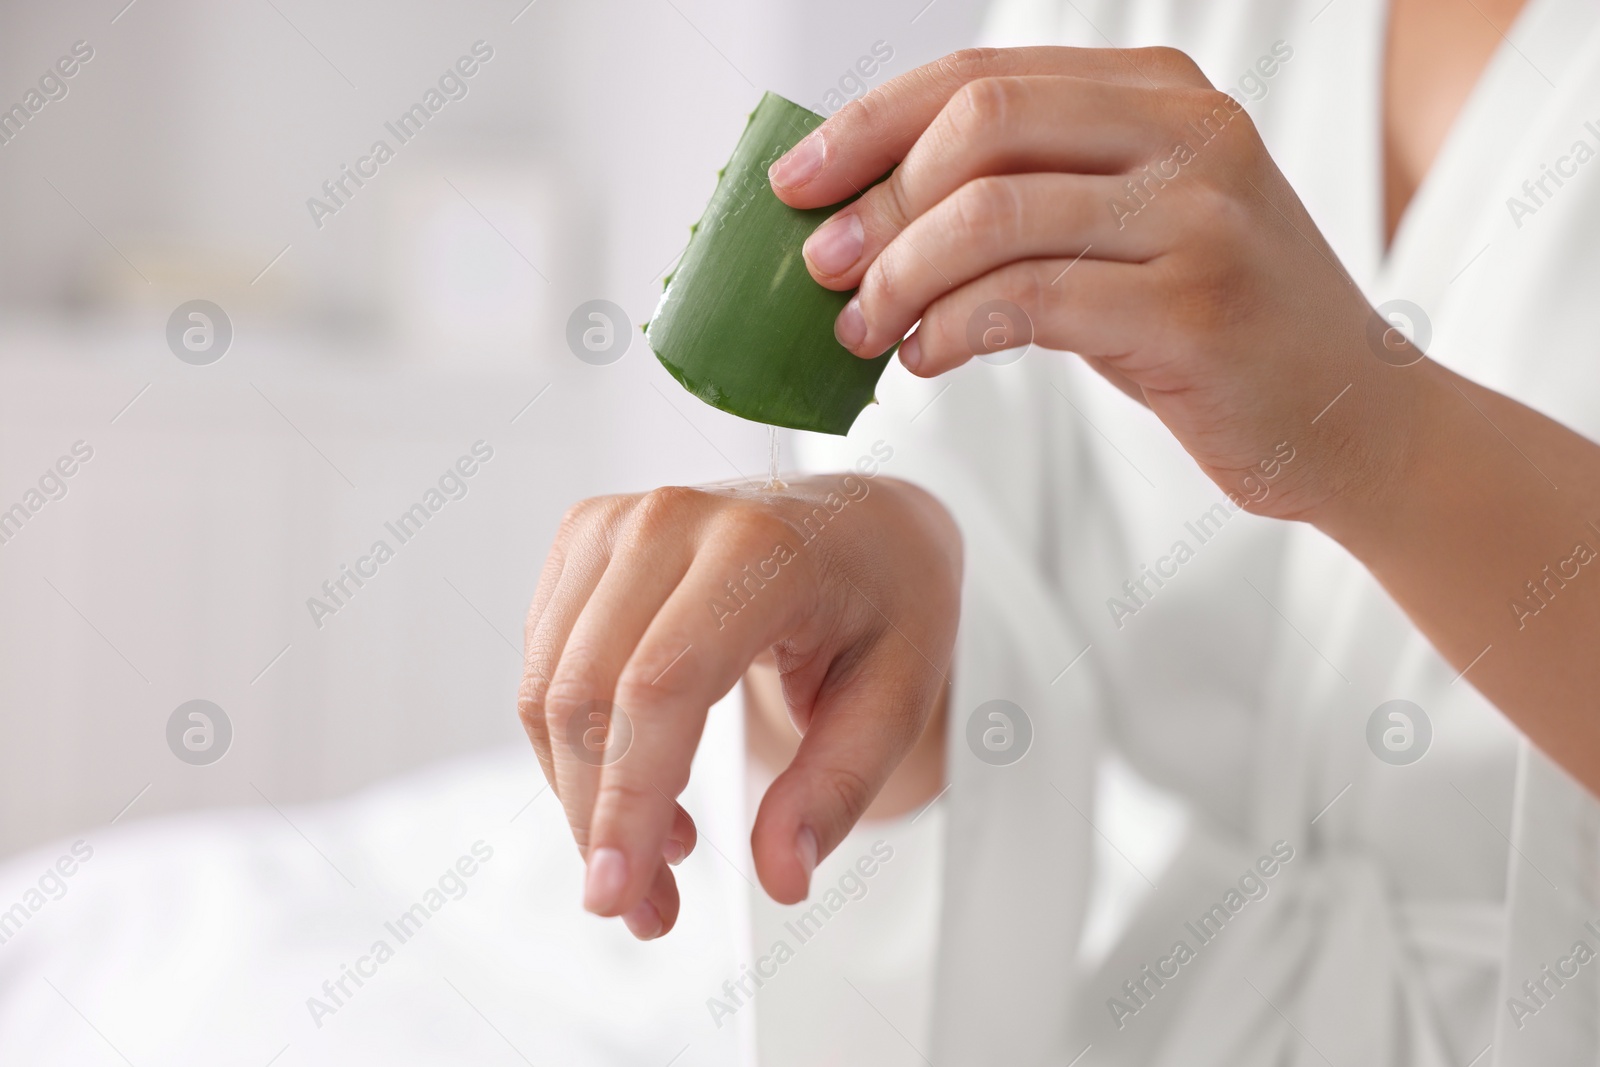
203	939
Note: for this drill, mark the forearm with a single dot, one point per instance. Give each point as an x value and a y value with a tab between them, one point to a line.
1484	531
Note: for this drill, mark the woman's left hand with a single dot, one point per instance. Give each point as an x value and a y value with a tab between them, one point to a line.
1130	210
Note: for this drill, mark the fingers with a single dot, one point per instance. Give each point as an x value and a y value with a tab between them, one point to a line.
657	913
572	570
856	146
694	651
681	839
1091	307
859	733
996	126
983	225
652	552
661	607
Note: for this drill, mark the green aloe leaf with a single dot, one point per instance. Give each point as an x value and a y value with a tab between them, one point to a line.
741	324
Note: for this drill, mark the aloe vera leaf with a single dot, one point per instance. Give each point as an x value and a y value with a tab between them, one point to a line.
741	324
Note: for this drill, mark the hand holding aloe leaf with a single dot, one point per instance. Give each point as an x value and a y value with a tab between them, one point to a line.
1131	211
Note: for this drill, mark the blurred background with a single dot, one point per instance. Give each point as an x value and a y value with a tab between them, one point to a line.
374	341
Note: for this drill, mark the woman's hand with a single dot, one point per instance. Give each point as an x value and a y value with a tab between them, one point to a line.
651	607
1131	211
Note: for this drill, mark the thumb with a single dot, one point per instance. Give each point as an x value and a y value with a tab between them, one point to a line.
857	735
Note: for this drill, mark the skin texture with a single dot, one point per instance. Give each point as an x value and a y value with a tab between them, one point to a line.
857	612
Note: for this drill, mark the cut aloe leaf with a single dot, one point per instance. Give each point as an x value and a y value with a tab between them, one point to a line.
741	324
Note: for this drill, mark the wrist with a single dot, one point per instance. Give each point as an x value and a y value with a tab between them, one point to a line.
1393	452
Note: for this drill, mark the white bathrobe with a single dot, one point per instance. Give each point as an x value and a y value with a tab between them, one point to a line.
1419	898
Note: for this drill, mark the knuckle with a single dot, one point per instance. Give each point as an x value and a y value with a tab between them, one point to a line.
965	64
1220	106
865	112
1024	284
1219	215
670	498
889	203
634	688
665	507
883	285
1172	62
987	208
589	520
758	528
844	790
553	565
573	517
772	547
577	517
629	792
983	104
657	680
859	120
626	793
645	680
533	688
1208	111
564	697
530	706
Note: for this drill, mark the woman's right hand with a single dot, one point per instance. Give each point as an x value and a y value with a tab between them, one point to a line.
650	608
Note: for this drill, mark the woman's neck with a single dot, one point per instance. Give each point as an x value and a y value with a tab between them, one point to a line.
1437	49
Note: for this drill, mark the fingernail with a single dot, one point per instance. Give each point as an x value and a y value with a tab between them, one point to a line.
805	847
850	327
643	921
911	352
673	852
800	164
835	247
608	874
